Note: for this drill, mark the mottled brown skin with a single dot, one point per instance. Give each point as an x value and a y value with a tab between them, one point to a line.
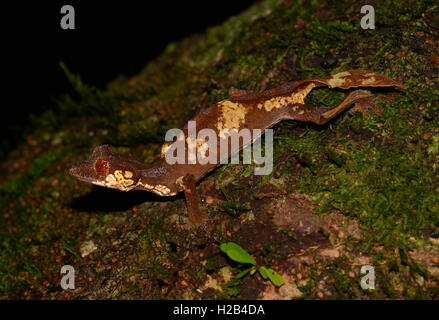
244	109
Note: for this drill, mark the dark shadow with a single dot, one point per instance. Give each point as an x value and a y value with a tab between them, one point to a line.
109	200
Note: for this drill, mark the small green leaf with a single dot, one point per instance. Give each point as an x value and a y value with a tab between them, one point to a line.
236	253
243	273
275	277
253	270
263	272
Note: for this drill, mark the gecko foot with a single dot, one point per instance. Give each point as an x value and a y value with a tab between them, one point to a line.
366	104
198	221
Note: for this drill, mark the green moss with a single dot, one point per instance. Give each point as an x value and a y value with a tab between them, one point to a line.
20	182
381	169
93	100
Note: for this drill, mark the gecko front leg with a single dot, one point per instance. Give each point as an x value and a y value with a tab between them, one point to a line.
197	218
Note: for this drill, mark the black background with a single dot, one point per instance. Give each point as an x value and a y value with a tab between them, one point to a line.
164	309
110	38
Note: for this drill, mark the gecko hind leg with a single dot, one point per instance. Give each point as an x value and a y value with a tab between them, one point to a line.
321	116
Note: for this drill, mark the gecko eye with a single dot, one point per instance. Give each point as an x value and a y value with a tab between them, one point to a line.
102	167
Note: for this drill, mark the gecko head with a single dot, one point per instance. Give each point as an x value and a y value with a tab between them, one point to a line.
107	168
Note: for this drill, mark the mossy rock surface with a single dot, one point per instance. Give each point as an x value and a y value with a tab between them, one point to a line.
362	190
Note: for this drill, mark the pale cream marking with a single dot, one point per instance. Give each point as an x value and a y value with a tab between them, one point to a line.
179	181
165	148
111	181
202	150
232	115
118	175
280	102
272	103
197	143
110	178
301	95
226	133
128	174
164	190
99	183
146	186
158	189
337	79
121	179
368	81
127	182
342	74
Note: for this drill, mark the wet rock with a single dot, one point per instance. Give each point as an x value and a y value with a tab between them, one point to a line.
287	292
329	253
87	247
